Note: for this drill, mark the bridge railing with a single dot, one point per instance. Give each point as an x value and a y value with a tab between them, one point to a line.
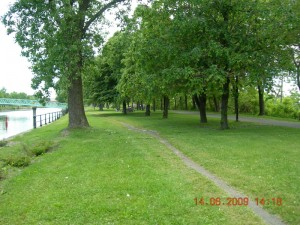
44	119
32	103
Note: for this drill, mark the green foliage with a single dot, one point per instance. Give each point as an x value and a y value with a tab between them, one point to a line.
248	101
15	95
18	160
3	143
288	108
2	170
194	46
59	39
101	78
38	148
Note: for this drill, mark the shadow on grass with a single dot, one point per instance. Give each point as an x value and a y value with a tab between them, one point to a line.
175	121
116	114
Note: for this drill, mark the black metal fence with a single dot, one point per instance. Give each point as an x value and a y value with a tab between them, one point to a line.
44	119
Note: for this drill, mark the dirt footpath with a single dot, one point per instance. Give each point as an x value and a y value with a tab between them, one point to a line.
248	119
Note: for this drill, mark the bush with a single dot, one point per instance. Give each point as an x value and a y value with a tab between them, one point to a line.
3	143
286	109
248	101
2	174
17	160
41	148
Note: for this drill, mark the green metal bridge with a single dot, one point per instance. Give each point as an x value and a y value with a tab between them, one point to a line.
31	103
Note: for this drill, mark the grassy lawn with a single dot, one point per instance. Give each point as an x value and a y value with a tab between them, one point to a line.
260	161
110	175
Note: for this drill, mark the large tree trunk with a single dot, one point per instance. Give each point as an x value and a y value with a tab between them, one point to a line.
147	113
77	117
236	98
224	105
261	100
166	107
201	103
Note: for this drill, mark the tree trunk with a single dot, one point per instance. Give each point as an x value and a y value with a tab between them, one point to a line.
161	104
224	105
298	76
216	104
201	103
236	98
147	113
261	100
194	103
154	105
185	102
124	107
166	107
77	117
175	105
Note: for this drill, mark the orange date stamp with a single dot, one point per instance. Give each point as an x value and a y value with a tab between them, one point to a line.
237	201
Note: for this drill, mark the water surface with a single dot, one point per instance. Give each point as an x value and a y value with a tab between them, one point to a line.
16	122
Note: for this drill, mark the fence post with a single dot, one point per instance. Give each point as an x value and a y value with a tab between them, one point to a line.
41	121
34	117
46	119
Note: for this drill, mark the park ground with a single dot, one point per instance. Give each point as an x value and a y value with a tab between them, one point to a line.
110	174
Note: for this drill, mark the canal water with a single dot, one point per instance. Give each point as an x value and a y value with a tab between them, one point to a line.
16	122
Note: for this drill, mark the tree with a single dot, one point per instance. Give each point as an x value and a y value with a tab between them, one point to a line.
99	83
58	38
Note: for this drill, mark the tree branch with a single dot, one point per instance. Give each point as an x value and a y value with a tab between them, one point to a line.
100	12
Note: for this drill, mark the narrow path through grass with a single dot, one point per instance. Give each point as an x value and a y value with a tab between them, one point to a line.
258	160
268	218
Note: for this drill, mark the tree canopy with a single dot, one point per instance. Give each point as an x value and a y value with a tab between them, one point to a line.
59	38
204	49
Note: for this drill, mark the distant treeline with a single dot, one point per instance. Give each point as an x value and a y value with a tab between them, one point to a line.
15	95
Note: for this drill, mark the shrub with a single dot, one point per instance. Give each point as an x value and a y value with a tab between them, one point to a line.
2	175
286	108
41	148
3	143
18	160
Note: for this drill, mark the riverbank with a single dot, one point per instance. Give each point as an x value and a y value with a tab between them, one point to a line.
109	174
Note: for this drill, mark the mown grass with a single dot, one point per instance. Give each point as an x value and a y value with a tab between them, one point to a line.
260	161
108	174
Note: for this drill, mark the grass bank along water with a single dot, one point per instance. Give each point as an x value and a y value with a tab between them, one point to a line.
107	174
